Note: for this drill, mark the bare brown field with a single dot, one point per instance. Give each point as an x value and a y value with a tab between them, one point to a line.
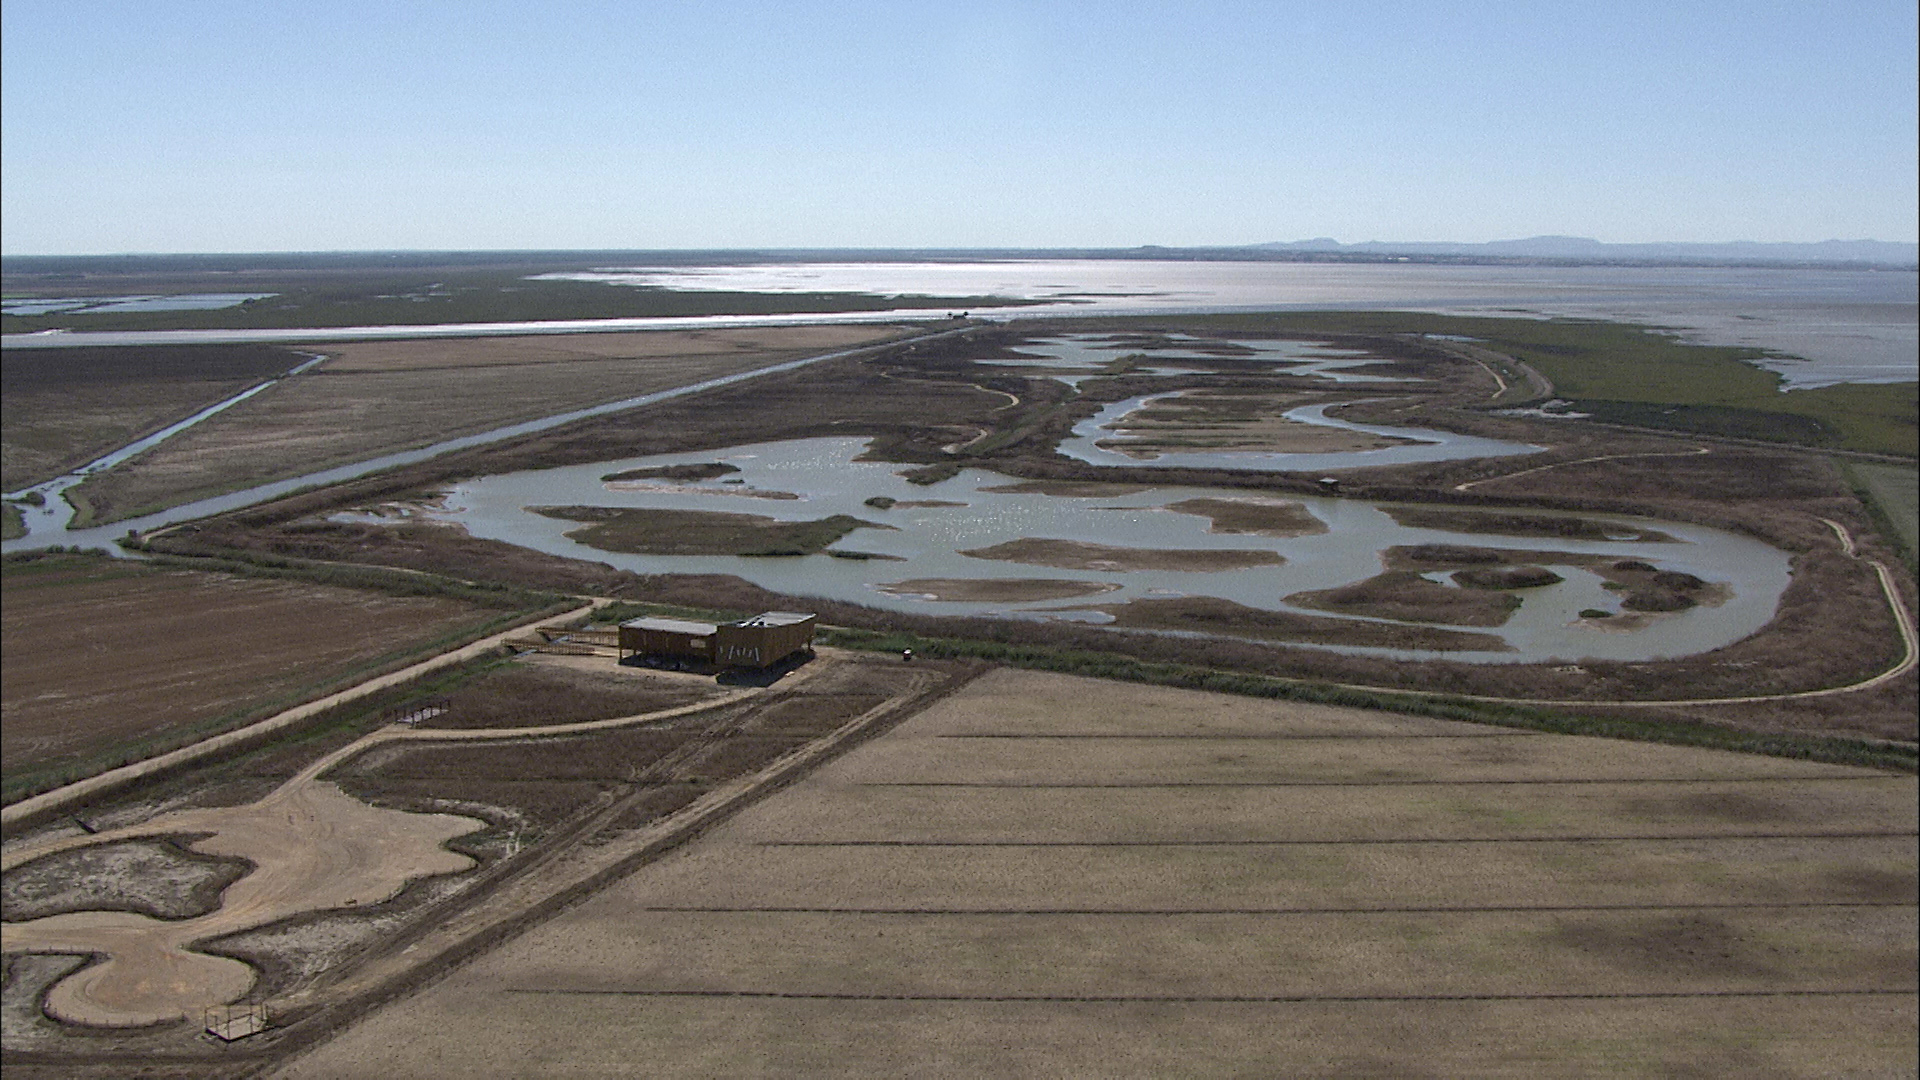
1080	555
1043	875
374	398
66	407
101	652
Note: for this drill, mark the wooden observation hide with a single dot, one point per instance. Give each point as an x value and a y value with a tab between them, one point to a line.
762	641
678	639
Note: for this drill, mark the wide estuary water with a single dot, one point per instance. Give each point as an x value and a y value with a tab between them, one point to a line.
1826	325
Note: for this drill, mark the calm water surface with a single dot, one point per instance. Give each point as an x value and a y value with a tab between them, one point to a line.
1835	325
828	480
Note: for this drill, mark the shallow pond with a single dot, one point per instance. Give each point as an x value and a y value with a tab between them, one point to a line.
1428	445
925	542
1092	353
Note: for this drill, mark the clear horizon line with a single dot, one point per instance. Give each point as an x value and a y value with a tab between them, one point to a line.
956	248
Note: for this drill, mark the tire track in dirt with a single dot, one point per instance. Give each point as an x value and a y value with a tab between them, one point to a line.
312	846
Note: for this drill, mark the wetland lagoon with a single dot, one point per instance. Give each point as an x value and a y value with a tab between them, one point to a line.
915	547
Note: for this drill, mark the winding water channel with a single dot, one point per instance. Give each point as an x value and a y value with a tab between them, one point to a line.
923	542
47	523
923	536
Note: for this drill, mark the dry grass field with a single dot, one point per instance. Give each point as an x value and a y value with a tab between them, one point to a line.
1048	876
101	653
66	407
373	398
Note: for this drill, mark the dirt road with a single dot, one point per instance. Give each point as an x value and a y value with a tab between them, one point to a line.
313	848
81	790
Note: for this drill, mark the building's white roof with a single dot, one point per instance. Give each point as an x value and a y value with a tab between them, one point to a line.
776	618
671	626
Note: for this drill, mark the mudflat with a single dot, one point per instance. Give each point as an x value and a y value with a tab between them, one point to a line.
312	847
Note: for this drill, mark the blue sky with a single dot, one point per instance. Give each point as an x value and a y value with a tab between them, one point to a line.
175	126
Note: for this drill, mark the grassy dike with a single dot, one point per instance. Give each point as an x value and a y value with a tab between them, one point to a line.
1892	499
1098	665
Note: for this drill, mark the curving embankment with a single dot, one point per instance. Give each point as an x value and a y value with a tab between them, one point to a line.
313	848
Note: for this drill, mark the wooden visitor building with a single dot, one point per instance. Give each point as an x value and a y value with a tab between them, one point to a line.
759	642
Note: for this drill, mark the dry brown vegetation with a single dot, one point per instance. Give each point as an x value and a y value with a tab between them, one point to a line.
997	590
66	407
1405	595
1833	626
1206	614
102	653
1195	422
701	532
1261	517
545	800
1080	555
1553	525
372	398
1044	876
564	690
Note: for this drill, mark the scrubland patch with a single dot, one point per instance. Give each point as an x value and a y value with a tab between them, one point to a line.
1513	524
996	590
1082	555
1206	614
1265	517
701	532
1407	596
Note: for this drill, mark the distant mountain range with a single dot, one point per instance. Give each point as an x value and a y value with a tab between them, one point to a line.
1588	250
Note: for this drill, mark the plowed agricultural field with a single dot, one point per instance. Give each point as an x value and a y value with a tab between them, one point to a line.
101	653
1047	876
